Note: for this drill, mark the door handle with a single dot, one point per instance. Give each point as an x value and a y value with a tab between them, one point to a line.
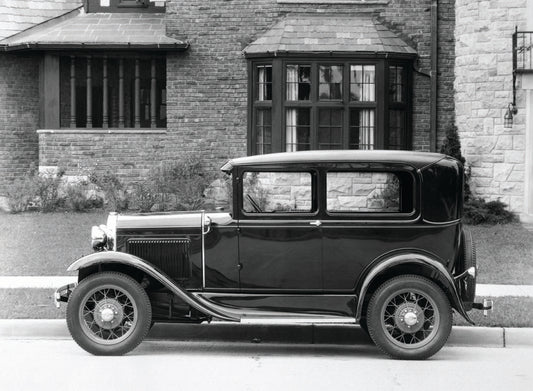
316	223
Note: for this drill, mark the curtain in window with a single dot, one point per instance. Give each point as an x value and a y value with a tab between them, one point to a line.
366	129
291	140
261	79
292	82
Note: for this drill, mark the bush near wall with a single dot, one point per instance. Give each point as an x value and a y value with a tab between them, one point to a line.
180	185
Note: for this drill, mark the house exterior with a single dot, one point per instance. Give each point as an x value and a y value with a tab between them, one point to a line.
501	158
124	85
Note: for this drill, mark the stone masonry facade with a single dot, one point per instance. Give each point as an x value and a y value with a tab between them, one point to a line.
483	86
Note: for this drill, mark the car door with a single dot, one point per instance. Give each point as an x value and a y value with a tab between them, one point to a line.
280	240
370	211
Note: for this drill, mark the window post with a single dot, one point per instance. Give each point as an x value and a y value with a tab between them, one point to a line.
153	91
137	95
121	93
105	120
89	95
72	91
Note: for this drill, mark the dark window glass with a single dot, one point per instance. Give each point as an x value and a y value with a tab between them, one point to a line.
330	129
396	84
396	129
298	82
330	82
298	130
264	131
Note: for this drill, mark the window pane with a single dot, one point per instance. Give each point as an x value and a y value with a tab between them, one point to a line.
376	192
264	82
281	192
298	130
362	129
263	131
396	129
396	84
330	129
363	83
330	82
298	82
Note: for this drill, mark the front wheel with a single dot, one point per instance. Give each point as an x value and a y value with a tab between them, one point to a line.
109	313
409	317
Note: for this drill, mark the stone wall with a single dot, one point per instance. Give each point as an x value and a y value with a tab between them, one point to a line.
483	87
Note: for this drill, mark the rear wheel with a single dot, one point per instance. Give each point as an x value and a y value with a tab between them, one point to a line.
409	317
109	314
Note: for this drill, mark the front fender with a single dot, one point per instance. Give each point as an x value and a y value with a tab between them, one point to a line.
115	257
429	264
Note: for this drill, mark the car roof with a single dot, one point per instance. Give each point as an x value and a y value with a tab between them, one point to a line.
412	158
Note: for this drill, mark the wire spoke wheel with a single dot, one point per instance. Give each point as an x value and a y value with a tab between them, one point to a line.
109	313
409	317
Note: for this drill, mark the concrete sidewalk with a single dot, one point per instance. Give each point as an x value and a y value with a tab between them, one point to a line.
53	282
489	337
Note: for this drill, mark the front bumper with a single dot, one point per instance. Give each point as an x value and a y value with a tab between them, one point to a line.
63	293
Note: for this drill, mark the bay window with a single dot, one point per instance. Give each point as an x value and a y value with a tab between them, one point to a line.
329	104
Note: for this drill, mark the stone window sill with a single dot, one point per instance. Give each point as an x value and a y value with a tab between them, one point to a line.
103	131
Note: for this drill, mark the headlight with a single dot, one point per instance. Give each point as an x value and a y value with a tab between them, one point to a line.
98	238
111	231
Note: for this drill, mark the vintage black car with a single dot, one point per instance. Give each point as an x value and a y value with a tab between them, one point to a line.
363	237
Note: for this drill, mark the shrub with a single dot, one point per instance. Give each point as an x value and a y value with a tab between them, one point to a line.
47	190
478	211
77	198
176	186
452	147
35	190
115	197
20	194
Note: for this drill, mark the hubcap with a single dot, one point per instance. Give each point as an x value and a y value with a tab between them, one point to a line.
409	317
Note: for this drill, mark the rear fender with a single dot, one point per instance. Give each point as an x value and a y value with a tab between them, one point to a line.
115	257
424	263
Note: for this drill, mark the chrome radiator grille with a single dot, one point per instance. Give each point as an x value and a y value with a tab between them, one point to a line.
170	255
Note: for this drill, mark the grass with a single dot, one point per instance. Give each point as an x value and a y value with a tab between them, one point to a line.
504	254
508	312
38	244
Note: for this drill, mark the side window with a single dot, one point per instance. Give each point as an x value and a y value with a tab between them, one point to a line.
368	192
277	192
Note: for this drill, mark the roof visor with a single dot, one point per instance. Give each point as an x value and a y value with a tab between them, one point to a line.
329	33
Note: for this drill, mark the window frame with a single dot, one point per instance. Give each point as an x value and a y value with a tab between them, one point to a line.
279	104
365	215
315	204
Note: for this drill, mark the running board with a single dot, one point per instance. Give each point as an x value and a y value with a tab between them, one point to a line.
287	320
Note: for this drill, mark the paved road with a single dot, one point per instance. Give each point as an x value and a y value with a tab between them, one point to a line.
158	365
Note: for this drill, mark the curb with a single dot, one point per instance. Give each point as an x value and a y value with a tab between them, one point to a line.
461	336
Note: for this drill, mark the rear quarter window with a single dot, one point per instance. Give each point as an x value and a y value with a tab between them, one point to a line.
369	192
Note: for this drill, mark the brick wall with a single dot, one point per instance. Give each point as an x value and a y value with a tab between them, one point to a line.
19	115
483	90
129	153
207	87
